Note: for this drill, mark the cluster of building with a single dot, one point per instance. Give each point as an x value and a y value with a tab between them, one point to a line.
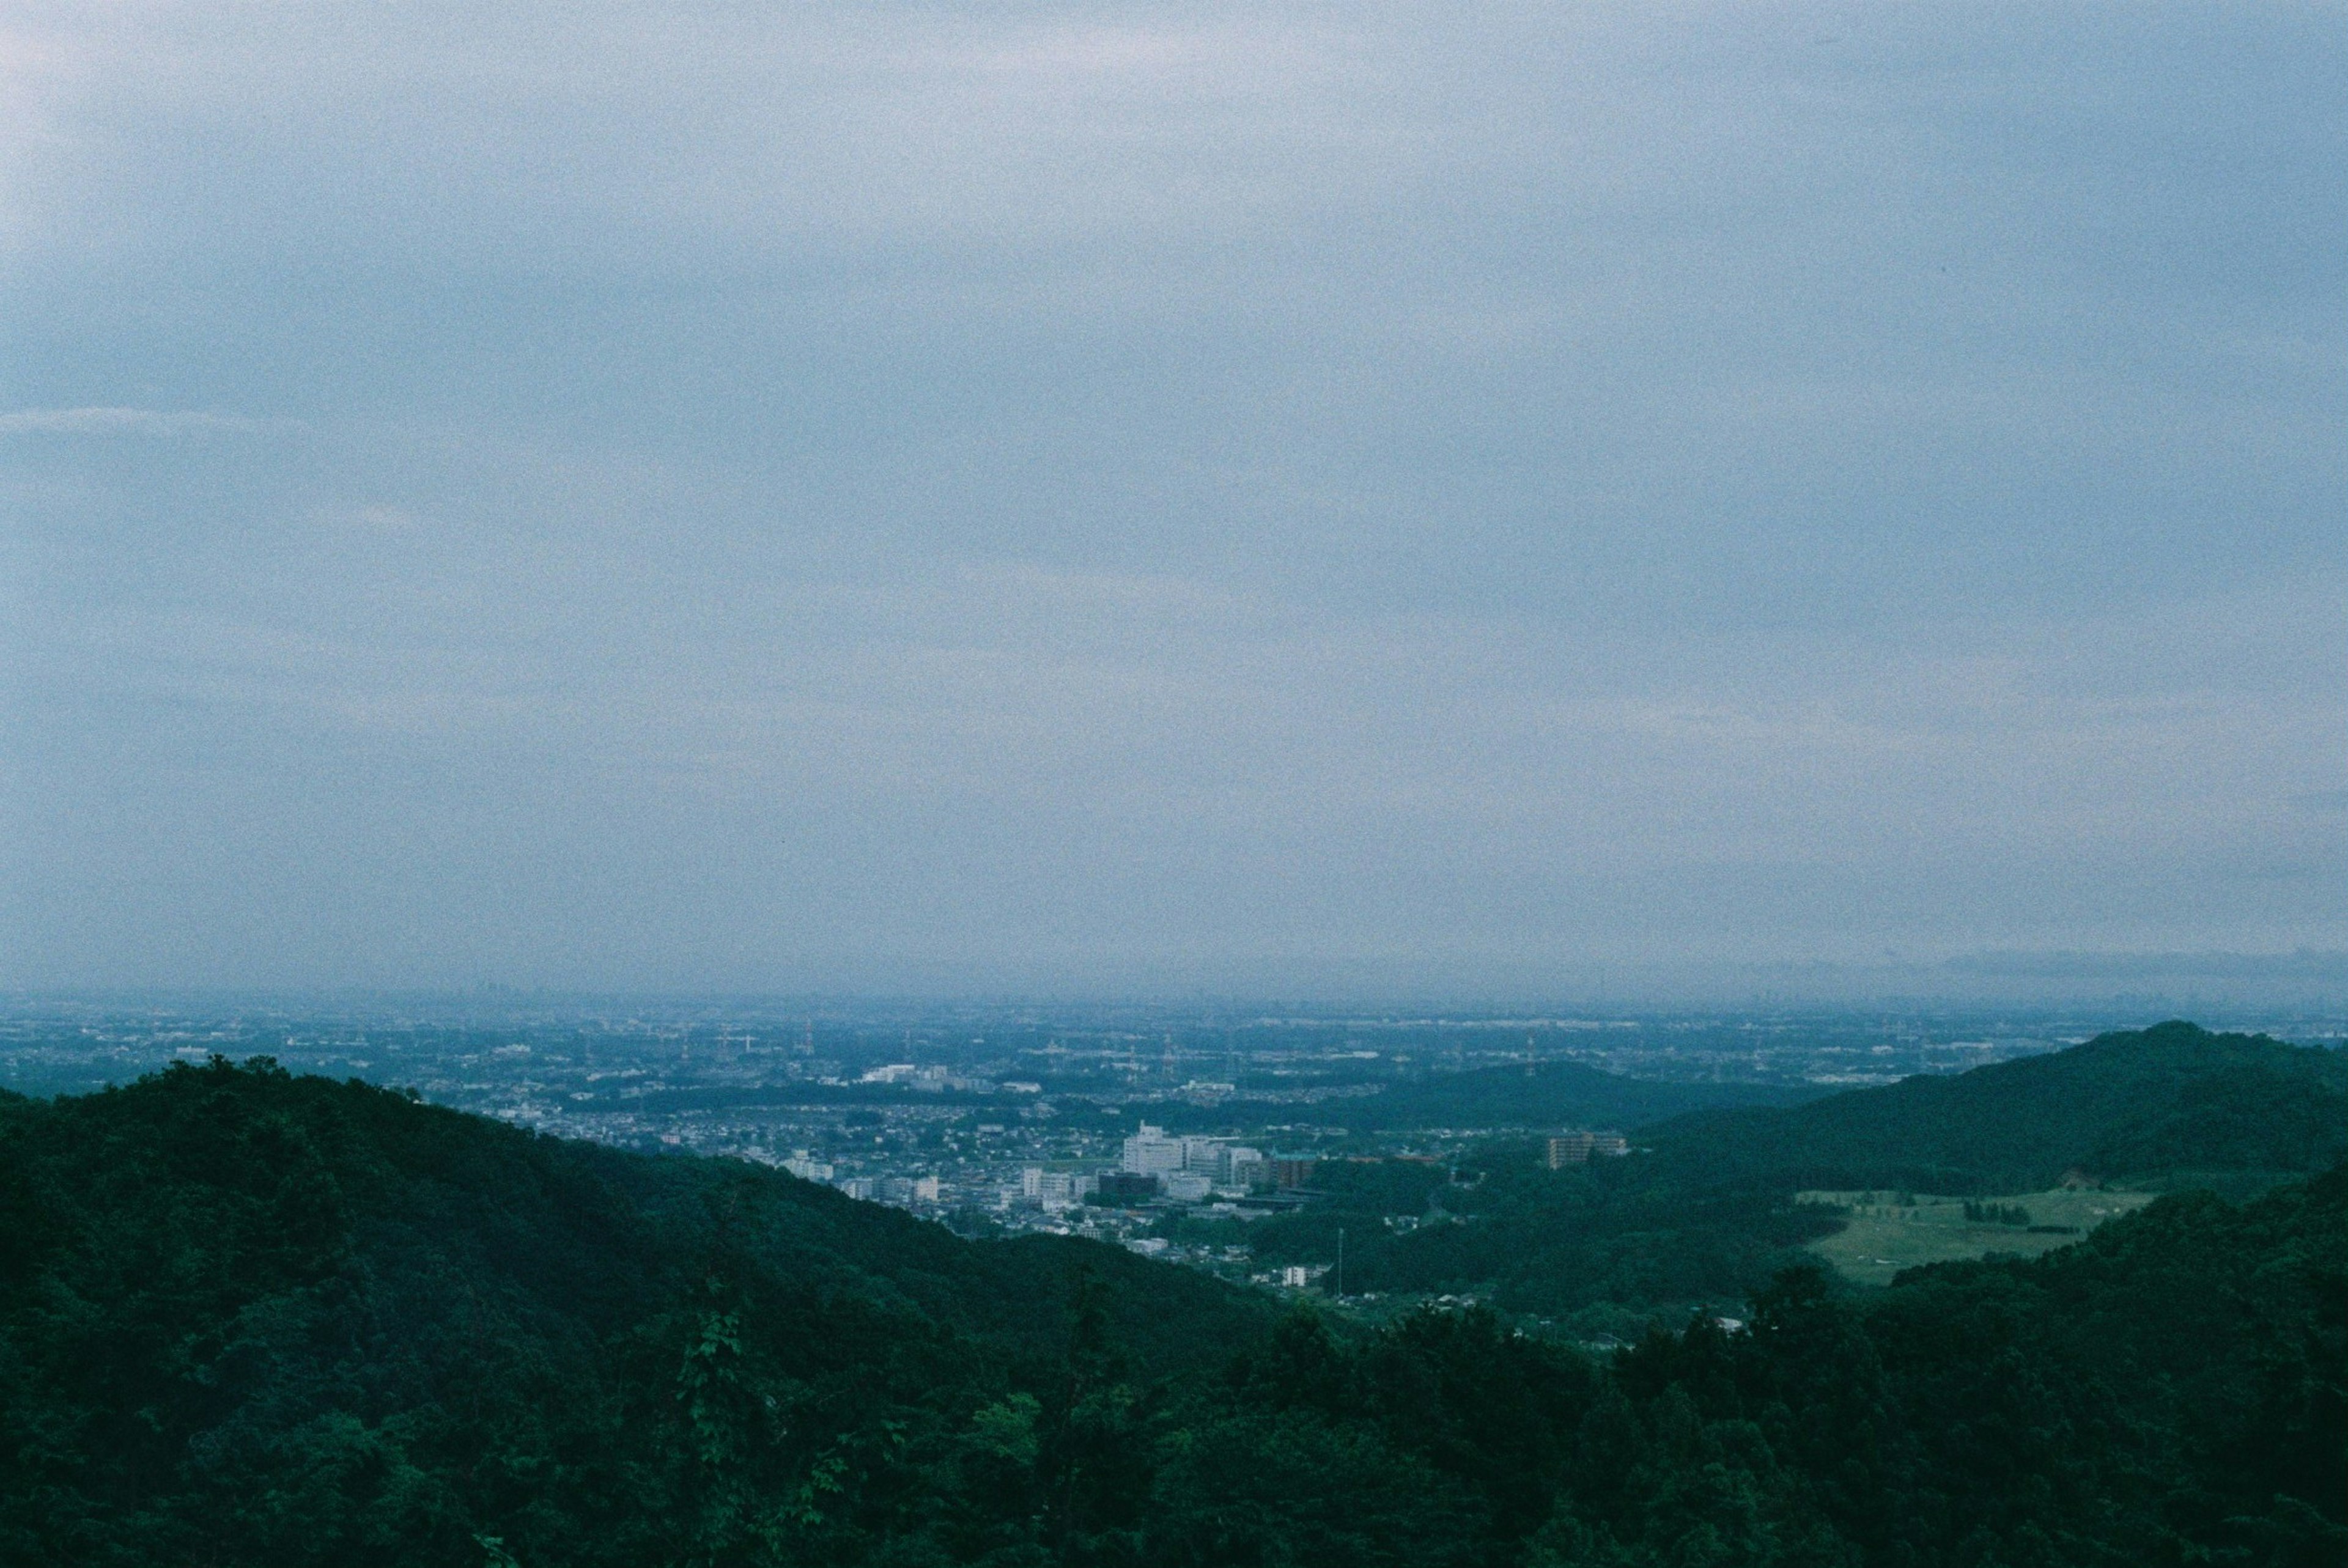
1192	1168
1154	1164
936	1080
1150	1167
903	1191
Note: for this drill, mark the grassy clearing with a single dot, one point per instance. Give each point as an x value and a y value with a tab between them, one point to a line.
1892	1231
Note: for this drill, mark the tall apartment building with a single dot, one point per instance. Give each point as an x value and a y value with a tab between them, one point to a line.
1293	1170
1580	1148
1217	1158
1248	1168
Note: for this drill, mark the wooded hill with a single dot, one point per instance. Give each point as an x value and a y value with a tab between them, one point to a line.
2167	1104
252	1319
1706	1210
1545	1095
324	1306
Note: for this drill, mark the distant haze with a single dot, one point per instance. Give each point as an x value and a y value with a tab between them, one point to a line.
1286	498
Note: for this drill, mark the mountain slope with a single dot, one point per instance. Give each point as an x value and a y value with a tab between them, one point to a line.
1707	1212
365	1327
250	1319
2140	1105
1550	1094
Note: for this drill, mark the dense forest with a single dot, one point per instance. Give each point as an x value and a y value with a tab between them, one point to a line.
1600	1246
252	1318
2156	1105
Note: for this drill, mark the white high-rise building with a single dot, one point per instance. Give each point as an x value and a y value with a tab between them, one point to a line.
1150	1153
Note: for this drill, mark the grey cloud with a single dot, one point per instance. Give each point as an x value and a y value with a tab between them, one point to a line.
1192	491
132	422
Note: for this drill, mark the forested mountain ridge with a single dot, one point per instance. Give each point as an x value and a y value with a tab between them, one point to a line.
250	1319
1707	1209
1549	1094
2134	1106
332	1165
228	1282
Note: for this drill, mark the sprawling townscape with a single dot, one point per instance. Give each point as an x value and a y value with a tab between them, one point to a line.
1168	1132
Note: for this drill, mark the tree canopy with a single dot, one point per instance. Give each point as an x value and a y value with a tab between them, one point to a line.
253	1318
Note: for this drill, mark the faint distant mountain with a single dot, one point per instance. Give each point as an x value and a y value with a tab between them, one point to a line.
2307	963
2162	1105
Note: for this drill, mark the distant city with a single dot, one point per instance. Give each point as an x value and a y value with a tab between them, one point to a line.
1114	1123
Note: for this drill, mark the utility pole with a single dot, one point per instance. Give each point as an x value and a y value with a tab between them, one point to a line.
1341	1263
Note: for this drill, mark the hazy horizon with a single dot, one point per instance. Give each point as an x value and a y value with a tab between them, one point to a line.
1095	499
2221	991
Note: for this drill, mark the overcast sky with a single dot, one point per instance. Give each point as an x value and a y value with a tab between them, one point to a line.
1088	497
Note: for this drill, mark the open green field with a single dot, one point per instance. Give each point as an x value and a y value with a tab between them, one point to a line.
1892	1231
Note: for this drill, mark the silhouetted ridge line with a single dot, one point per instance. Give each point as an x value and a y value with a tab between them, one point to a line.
2140	1105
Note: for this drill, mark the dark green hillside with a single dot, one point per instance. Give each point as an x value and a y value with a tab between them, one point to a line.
2169	1392
1708	1212
1621	1233
2140	1105
253	1320
2176	1377
319	1320
1547	1094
